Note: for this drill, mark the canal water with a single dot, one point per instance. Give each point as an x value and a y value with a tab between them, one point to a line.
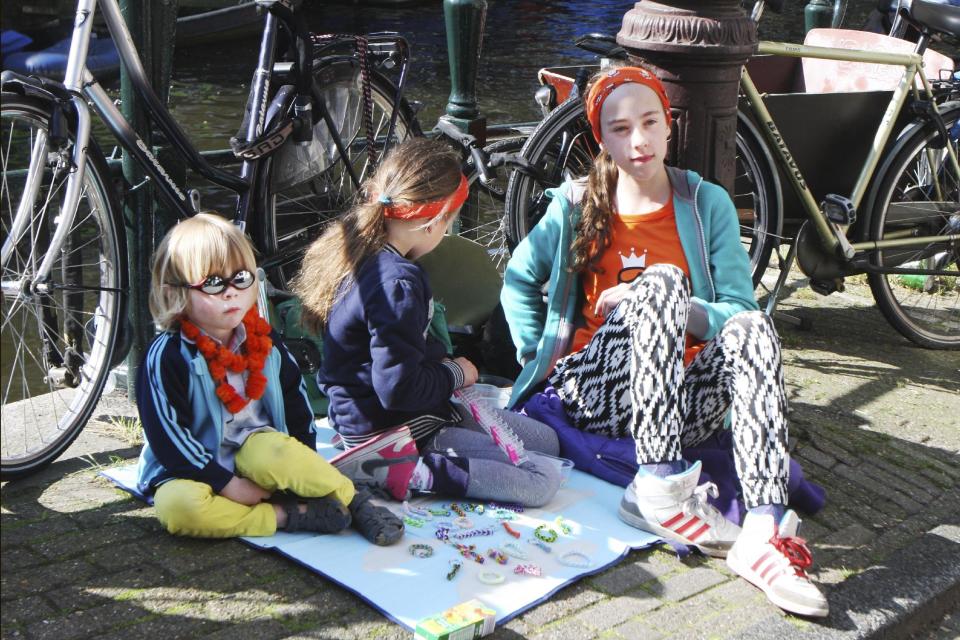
210	84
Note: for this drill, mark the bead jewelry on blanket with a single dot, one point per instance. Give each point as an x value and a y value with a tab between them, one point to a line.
498	430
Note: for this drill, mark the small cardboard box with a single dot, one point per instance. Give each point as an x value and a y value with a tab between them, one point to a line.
465	621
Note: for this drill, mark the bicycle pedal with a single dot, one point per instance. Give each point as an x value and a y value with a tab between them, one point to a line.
839	209
826	287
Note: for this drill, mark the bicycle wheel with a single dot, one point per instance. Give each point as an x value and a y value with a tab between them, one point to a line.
58	345
563	147
309	186
482	217
919	195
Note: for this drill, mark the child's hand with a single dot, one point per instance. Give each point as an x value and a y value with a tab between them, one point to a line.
244	491
470	373
608	299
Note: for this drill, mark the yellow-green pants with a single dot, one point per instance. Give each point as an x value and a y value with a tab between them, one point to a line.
274	461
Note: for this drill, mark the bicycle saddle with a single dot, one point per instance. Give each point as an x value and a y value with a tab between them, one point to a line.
936	15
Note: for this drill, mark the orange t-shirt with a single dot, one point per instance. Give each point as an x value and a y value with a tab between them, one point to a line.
636	242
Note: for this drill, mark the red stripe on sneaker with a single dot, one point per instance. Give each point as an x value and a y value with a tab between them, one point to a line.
761	560
692	522
771	579
673	520
766	570
699	532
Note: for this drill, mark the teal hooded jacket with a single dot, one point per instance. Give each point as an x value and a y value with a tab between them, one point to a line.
542	298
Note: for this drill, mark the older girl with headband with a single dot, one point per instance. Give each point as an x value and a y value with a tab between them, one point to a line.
388	379
650	330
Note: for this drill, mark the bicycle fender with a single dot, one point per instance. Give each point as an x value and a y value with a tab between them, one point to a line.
903	137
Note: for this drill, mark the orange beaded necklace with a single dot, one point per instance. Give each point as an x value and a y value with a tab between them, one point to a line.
256	347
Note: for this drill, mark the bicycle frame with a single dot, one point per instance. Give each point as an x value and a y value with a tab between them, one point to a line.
79	82
832	235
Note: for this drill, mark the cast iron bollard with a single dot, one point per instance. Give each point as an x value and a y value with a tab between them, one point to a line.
697	49
152	26
464	21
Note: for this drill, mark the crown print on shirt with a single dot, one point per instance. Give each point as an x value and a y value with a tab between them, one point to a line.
631	266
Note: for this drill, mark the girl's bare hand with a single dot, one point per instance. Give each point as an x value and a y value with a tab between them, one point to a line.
609	299
244	491
470	373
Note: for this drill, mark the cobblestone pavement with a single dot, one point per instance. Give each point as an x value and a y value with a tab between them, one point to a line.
873	419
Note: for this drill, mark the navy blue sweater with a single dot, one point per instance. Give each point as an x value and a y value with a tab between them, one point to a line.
380	367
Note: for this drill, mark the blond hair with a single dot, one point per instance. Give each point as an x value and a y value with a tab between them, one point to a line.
202	245
418	170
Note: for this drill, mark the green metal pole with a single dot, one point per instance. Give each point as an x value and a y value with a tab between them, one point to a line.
817	14
151	26
464	20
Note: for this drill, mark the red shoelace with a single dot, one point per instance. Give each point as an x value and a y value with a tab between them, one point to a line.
796	551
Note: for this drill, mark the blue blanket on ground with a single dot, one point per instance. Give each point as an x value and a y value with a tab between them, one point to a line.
406	588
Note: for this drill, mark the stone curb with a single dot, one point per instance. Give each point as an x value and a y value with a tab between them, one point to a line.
920	584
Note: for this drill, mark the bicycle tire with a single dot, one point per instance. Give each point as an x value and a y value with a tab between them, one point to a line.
482	217
923	308
57	347
296	214
756	196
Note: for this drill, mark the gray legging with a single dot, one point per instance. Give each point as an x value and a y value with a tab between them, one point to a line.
467	463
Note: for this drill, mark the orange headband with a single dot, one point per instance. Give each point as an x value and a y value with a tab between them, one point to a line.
417	210
614	78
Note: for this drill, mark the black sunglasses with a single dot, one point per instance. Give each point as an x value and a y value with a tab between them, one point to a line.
212	285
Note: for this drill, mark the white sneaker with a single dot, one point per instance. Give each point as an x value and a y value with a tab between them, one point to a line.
773	558
677	509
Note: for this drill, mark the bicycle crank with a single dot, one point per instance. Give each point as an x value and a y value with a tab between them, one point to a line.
825	269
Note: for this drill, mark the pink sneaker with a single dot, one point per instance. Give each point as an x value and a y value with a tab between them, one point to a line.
386	461
773	558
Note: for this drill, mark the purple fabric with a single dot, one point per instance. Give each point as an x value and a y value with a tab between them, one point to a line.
615	459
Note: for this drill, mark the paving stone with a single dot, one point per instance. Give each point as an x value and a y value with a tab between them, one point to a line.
19	558
906	476
83	624
883	477
23	611
323	605
686	584
563	603
610	613
856	476
565	630
82	542
816	456
256	630
636	629
239	606
31	533
96	590
174	627
831	448
628	576
846	539
44	578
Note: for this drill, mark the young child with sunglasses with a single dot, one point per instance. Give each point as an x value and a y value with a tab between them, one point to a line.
650	330
388	379
230	444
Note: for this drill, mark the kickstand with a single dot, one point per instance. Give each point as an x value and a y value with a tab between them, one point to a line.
785	265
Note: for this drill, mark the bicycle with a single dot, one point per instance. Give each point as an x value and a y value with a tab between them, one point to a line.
901	220
64	259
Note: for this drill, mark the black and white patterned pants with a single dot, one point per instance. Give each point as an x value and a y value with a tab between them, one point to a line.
629	380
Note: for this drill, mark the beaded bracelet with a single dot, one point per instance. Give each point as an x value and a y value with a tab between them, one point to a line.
437	511
469	552
442	533
416	512
458	510
463	522
545	533
420	550
454	568
499	556
488	531
575	559
540	543
513	532
478	508
510	506
564	527
413	522
504	514
528	569
490	577
513	549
